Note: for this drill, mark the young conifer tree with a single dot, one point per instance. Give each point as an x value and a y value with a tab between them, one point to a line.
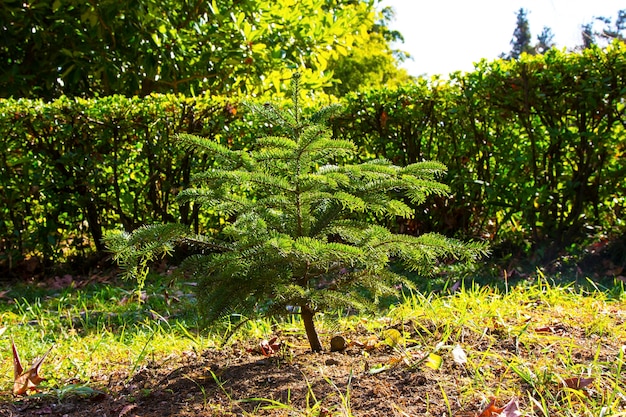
299	240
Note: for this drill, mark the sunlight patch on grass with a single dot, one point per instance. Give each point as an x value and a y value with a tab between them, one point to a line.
532	342
529	342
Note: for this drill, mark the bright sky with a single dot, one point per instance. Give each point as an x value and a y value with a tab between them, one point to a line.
444	36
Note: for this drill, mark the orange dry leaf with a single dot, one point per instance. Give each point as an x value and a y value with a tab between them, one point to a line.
371	343
545	329
324	412
511	409
29	380
555	328
491	409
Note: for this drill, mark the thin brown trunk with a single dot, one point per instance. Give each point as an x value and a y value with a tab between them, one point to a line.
309	326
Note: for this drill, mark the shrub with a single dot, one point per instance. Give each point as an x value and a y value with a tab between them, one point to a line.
298	235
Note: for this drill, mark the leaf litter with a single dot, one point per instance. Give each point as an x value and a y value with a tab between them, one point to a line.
29	380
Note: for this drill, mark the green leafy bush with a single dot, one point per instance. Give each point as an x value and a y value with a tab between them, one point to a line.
73	168
534	151
533	146
82	49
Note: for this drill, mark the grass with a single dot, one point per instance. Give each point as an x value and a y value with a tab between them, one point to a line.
527	342
524	342
93	331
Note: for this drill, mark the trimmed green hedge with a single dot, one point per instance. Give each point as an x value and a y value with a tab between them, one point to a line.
73	168
534	147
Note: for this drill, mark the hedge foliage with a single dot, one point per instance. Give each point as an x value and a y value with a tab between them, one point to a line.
73	168
534	148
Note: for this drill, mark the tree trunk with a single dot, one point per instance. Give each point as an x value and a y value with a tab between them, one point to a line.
309	326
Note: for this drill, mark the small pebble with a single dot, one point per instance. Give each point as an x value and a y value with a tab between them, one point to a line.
331	362
337	343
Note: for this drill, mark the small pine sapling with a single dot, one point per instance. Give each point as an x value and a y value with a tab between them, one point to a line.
300	237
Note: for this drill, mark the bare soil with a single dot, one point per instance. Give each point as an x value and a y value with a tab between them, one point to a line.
238	381
241	381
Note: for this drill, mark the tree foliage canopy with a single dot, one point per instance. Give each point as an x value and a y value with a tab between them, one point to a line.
521	41
612	30
129	47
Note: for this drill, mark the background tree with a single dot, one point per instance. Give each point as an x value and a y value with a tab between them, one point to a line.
521	36
588	36
133	47
610	32
301	232
372	62
545	41
618	30
521	42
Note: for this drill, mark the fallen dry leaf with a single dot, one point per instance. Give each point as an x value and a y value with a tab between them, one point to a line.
371	343
491	409
511	409
356	343
29	380
555	328
578	383
434	361
458	354
127	409
269	347
545	329
393	337
325	412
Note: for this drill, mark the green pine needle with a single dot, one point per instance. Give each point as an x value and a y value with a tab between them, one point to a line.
300	229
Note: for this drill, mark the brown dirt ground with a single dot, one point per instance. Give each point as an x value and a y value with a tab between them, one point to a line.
223	382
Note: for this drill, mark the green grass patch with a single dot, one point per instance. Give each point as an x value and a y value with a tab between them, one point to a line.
529	341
